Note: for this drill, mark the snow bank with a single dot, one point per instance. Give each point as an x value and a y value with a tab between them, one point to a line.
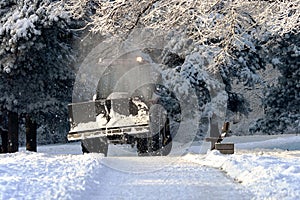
267	173
27	175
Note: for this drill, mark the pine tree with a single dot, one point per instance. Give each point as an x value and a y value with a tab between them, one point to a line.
282	100
36	56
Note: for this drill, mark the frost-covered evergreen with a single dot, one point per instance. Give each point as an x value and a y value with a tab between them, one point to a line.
282	100
35	60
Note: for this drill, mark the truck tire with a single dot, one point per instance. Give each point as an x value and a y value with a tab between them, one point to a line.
95	145
158	145
162	142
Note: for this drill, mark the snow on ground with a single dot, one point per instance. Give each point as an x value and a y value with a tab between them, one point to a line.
181	179
265	175
263	164
27	175
263	167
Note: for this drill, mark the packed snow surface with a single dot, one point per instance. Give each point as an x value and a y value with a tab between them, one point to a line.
263	167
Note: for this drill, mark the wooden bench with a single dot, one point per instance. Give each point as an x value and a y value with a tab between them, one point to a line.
216	137
225	148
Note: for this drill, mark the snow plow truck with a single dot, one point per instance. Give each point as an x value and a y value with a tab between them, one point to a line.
131	106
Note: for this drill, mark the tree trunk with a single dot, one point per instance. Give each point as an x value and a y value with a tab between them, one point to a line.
13	132
3	132
4	139
31	132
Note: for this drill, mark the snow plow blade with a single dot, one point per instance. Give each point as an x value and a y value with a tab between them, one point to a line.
142	129
84	124
124	120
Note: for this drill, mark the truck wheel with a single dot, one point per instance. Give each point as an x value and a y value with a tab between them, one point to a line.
158	145
95	145
161	139
162	142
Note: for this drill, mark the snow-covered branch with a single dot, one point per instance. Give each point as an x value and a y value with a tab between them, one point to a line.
21	28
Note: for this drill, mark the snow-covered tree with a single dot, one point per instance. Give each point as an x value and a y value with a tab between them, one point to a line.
220	36
282	99
35	59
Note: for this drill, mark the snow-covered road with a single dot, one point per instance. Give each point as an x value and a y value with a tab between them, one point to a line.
182	179
42	176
